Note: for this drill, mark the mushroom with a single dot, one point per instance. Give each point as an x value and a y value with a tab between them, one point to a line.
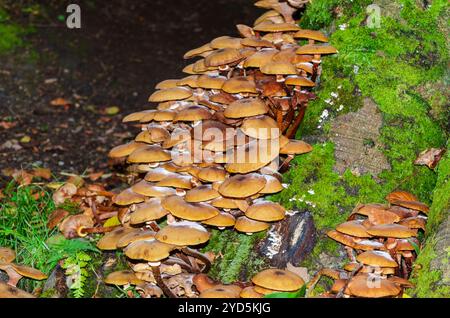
16	272
174	93
148	211
8	291
221	291
265	211
247	107
198	211
278	280
242	186
120	278
249	226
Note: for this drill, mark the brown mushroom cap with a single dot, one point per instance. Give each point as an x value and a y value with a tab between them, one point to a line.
316	49
122	278
278	279
150	190
353	228
252	156
250	292
178	207
225	42
221	291
276	27
255	42
266	211
157	174
260	58
8	291
221	220
212	174
127	197
110	239
175	93
224	203
125	149
176	181
148	211
311	34
299	81
279	68
190	81
7	255
391	230
197	51
223	57
135	236
401	196
24	271
372	286
246	225
246	108
149	154
169	83
242	186
273	185
151	250
377	258
211	82
193	113
153	134
240	84
163	115
201	193
137	116
414	205
261	127
183	234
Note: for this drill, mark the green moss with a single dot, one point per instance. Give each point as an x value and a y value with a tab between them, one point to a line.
429	281
394	65
10	34
235	258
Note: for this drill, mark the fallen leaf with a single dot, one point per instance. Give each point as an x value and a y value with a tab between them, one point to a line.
54	185
59	102
65	192
430	157
43	173
113	110
12	144
22	177
76	180
25	139
8	124
300	271
114	221
95	175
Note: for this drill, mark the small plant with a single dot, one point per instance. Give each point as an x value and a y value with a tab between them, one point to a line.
76	270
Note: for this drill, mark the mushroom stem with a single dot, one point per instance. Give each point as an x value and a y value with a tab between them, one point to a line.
199	256
94	210
100	229
340	294
298	120
160	282
13	276
285	165
174	261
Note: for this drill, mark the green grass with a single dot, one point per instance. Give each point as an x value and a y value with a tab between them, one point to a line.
23	221
10	34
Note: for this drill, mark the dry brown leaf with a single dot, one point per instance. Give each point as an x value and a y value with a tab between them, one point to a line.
22	177
430	157
65	192
300	271
95	175
43	173
59	102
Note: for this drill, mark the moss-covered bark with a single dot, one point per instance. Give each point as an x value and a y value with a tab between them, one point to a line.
402	67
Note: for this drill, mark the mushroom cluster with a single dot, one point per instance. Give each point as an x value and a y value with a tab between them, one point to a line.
211	150
266	282
381	241
15	273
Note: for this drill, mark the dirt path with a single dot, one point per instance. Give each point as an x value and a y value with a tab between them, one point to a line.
123	49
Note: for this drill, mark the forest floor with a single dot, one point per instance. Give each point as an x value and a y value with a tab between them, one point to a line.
101	72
